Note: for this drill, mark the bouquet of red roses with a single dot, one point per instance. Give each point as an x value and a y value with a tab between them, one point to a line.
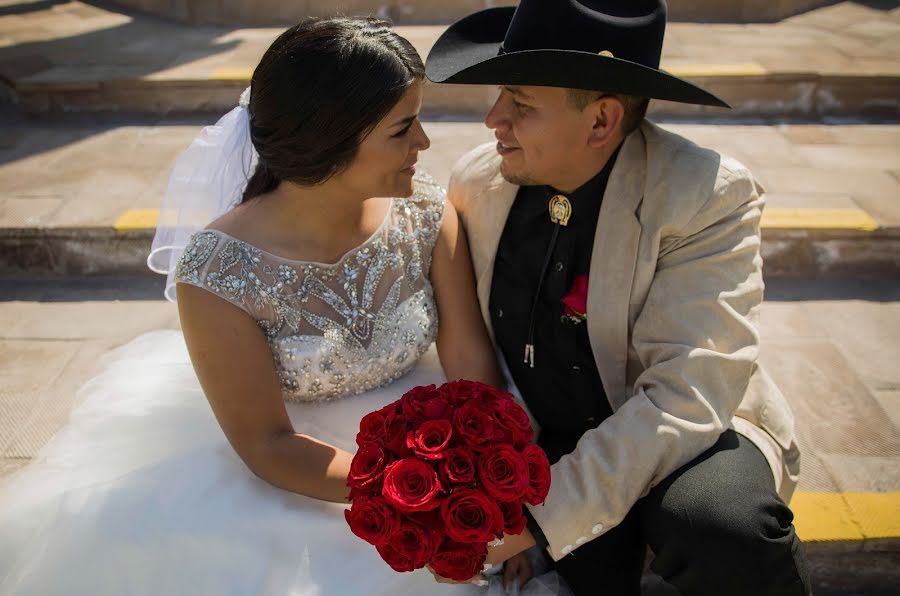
442	472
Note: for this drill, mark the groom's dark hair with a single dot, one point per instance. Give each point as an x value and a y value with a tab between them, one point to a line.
319	89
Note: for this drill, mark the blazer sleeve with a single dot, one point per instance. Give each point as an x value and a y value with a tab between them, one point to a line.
697	344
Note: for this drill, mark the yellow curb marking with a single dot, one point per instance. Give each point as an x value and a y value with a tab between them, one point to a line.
877	513
773	217
826	517
231	73
820	219
137	219
746	69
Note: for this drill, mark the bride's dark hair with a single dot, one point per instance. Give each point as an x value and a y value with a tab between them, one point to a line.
319	89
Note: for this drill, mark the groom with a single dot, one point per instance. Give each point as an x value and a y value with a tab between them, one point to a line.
619	273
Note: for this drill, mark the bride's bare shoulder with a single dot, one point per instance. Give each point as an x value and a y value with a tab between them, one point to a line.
243	221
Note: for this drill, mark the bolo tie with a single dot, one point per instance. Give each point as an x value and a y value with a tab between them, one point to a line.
560	211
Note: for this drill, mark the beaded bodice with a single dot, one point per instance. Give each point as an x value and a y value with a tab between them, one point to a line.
334	329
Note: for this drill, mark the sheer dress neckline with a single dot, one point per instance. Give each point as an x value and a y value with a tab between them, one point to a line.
335	329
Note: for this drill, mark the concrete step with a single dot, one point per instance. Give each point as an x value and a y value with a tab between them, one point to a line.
830	345
268	12
80	195
838	61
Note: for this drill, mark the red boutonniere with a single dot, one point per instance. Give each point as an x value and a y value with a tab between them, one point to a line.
575	302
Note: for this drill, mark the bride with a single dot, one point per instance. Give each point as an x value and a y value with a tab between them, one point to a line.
215	462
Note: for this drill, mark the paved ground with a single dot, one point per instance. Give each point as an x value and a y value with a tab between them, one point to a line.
838	60
49	167
832	346
79	194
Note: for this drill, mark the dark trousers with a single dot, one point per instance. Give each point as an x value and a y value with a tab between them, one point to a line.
715	526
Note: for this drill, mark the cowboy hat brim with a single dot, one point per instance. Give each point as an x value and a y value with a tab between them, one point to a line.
469	53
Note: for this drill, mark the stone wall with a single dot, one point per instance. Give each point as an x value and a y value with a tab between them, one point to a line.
284	12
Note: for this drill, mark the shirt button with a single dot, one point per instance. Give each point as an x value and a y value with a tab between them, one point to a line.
597	529
566	549
560	266
581	541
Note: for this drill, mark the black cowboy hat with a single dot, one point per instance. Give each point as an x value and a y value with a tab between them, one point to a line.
604	45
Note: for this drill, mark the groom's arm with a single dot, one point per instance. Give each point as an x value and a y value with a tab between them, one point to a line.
697	343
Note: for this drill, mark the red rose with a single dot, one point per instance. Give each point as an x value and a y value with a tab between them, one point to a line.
504	473
414	542
391	408
431	521
372	519
371	429
514	520
395	426
575	302
431	439
458	467
462	390
513	422
459	562
425	403
538	474
367	468
397	560
411	485
471	516
474	423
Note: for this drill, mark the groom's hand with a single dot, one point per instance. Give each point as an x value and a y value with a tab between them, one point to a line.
517	568
478	580
511	545
497	555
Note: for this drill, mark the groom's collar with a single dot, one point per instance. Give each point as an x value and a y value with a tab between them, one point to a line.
595	185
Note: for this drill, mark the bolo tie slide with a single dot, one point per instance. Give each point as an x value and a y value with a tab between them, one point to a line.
560	211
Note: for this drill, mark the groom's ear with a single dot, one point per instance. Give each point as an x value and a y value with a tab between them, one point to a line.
607	114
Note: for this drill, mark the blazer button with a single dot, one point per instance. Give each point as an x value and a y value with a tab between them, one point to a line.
597	529
581	541
560	266
499	313
566	549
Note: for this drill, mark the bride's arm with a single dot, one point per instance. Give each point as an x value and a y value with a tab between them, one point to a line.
235	367
463	344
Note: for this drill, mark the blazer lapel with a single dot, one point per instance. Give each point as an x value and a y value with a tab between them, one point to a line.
488	227
612	267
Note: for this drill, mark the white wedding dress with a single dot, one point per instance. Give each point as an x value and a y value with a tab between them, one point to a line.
141	493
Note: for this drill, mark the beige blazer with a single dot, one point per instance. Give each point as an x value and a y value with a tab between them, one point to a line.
674	294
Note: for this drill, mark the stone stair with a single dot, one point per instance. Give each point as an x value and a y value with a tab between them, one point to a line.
98	103
836	62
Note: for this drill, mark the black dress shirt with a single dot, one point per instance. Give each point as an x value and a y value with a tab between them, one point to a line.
563	390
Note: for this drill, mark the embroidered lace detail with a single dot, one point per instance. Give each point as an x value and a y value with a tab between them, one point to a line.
340	329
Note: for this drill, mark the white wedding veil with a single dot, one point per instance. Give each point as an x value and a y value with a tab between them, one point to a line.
208	179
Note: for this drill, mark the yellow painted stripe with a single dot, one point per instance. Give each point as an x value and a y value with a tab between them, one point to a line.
137	219
878	514
812	218
828	517
231	73
244	73
773	217
745	69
